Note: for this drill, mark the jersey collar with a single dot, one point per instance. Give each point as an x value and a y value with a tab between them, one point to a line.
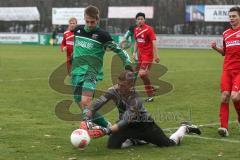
143	26
87	29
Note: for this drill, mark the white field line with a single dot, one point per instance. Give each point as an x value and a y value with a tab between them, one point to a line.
207	138
200	126
214	139
191	70
24	79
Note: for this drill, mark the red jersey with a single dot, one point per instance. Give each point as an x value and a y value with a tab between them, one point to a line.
144	36
231	48
68	40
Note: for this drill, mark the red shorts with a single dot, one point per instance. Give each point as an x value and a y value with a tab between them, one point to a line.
230	80
144	66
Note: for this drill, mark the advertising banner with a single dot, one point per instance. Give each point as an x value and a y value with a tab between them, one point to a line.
129	12
6	38
196	42
217	13
60	16
19	14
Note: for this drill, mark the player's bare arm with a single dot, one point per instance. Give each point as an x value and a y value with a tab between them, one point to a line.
135	51
64	49
219	50
123	43
155	52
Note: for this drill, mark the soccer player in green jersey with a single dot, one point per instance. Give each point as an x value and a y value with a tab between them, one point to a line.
124	44
90	43
127	35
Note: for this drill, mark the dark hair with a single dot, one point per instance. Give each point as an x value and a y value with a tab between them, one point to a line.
140	14
127	76
92	12
233	9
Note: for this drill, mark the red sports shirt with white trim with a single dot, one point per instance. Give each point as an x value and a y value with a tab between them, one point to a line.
68	40
144	36
231	47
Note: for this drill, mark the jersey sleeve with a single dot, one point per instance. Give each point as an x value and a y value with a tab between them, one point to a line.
63	44
127	34
152	35
109	43
102	100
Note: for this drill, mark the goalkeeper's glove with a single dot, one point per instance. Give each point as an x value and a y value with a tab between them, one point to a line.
87	124
106	130
98	131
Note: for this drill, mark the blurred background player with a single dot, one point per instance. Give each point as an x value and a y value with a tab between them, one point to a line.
67	42
54	38
90	43
134	120
125	43
230	81
147	51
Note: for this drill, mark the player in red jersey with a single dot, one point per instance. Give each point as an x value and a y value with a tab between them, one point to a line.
230	81
67	42
147	51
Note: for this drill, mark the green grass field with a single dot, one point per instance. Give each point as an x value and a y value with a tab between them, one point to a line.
29	128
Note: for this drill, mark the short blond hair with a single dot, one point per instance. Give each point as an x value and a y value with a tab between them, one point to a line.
72	19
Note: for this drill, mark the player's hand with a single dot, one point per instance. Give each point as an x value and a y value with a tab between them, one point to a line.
90	124
123	44
64	49
106	131
157	59
98	131
86	125
213	44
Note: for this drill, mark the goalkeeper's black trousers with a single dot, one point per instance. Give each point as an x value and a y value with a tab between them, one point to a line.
147	131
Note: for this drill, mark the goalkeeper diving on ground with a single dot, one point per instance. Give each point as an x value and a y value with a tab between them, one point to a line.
134	121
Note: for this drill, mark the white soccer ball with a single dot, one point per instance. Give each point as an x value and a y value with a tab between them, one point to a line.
80	138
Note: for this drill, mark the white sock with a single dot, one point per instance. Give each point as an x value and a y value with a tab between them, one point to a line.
178	135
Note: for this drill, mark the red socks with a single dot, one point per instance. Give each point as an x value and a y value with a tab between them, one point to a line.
237	108
224	115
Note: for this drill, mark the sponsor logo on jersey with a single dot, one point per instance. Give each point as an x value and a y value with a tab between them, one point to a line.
84	44
69	43
233	43
140	40
94	36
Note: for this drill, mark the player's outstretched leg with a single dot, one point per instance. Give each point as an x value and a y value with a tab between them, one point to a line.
185	128
191	129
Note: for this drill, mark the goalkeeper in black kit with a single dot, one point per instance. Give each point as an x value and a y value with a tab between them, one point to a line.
134	120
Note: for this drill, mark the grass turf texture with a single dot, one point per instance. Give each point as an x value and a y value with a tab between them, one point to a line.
29	128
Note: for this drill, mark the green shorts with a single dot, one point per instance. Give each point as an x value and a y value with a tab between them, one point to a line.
82	84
